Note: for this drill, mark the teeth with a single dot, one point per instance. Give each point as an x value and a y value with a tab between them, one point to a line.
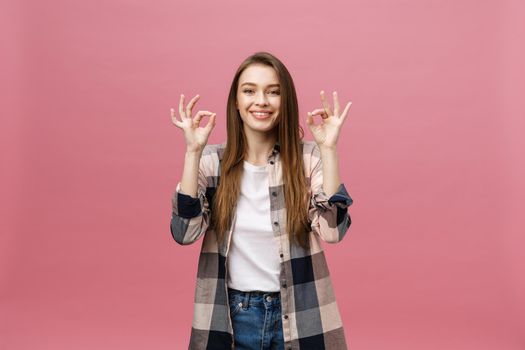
260	114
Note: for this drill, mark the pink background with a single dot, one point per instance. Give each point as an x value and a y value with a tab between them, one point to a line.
432	153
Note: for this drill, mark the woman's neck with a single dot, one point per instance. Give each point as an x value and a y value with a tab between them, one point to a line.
259	147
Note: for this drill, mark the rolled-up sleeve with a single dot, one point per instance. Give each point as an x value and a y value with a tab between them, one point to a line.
329	216
190	215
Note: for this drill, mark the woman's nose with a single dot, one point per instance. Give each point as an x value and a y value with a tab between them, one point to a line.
261	99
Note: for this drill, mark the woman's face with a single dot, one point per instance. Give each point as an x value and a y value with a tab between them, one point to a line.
258	98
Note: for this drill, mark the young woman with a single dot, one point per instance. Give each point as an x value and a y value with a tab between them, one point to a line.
263	201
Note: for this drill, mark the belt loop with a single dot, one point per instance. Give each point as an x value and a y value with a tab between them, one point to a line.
246	300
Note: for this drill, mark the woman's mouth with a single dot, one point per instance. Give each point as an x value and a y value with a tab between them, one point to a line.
261	115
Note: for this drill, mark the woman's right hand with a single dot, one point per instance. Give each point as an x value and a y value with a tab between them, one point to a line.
196	137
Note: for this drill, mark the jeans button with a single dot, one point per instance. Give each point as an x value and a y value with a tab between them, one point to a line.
268	298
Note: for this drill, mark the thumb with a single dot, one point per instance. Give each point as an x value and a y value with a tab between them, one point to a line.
211	123
310	120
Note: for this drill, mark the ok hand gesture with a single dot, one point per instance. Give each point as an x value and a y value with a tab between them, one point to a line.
196	137
327	133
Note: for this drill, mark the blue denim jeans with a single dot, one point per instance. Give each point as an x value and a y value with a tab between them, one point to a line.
256	320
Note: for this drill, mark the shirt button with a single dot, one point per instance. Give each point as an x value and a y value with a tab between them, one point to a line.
274	194
285	317
284	285
281	255
271	161
276	223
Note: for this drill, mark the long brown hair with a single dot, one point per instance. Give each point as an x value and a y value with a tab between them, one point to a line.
289	135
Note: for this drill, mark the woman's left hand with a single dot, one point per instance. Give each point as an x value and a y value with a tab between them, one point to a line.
326	133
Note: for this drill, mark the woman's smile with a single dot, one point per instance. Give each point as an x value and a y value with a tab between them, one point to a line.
261	115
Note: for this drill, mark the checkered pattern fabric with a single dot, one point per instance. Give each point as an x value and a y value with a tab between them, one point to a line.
310	315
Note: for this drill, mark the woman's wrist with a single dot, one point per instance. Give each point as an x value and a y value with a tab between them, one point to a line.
194	151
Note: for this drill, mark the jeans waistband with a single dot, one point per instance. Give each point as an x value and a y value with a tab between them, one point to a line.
255	293
255	297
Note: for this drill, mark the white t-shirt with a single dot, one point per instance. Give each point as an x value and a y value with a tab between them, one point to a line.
253	258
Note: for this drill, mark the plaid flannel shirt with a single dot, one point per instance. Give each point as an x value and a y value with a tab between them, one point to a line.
310	315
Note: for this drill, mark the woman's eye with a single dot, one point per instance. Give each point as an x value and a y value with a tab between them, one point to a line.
275	92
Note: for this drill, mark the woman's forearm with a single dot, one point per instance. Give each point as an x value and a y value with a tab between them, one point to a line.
190	173
331	180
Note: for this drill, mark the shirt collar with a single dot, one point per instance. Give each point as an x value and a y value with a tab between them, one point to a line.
276	150
276	147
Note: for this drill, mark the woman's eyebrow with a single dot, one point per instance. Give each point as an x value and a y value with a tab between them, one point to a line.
270	85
